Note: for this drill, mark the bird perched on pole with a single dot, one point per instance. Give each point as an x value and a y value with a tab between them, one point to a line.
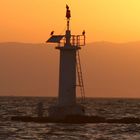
83	33
52	33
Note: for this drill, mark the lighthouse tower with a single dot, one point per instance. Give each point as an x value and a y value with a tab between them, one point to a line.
69	72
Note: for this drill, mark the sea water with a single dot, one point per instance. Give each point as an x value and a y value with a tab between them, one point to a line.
105	107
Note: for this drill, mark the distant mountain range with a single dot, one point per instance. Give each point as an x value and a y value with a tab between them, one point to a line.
109	69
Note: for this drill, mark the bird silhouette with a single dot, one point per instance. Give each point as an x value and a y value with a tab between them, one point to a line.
52	33
83	33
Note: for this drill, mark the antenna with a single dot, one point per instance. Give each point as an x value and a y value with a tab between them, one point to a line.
68	15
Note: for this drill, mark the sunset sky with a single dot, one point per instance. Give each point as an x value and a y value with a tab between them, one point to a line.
109	69
33	20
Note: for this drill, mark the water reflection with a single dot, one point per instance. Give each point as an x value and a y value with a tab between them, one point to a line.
35	131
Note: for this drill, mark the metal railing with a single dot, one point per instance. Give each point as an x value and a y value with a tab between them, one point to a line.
76	40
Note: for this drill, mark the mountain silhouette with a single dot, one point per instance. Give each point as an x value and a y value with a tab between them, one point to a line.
109	69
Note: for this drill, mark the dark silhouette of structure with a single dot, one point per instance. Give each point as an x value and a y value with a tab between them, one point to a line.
70	68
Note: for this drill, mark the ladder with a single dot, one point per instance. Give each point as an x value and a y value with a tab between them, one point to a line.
80	76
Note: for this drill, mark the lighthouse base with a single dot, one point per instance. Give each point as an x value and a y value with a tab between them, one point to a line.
60	112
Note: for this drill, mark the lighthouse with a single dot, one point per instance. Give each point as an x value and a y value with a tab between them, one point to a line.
70	73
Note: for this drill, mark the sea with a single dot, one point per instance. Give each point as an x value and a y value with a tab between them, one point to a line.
105	107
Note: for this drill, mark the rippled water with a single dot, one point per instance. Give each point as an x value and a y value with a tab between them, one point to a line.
111	108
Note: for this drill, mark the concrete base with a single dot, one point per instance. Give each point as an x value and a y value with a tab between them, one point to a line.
78	120
60	112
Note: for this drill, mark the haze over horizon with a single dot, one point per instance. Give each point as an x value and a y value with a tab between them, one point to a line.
109	69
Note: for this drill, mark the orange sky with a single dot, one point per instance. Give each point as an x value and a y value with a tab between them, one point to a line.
33	20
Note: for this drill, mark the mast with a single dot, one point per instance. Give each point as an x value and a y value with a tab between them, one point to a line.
68	32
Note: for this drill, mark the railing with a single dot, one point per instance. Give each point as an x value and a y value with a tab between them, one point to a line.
76	40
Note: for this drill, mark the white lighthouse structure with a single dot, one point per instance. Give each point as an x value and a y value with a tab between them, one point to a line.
70	73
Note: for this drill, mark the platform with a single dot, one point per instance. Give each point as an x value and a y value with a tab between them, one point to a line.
77	120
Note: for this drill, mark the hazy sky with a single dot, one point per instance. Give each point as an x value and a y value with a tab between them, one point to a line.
33	20
104	20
